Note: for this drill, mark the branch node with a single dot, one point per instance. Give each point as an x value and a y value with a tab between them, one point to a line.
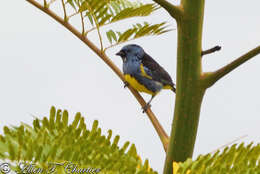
173	10
211	50
215	76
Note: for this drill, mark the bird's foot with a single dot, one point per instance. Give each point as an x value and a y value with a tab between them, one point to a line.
146	107
126	84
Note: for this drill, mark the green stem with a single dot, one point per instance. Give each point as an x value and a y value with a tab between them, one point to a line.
213	77
174	11
190	90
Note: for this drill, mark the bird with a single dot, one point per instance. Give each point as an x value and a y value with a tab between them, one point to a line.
143	73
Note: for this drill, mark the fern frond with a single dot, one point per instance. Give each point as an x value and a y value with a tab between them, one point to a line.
137	31
107	12
104	12
237	159
143	10
53	140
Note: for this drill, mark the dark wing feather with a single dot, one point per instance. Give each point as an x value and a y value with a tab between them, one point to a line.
158	73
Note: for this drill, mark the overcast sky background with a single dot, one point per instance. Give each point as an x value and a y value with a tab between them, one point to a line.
42	64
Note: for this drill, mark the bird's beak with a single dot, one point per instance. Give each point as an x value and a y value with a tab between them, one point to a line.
121	54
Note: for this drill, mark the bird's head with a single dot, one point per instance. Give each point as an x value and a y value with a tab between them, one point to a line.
131	51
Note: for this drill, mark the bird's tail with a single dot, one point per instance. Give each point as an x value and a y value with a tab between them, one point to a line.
173	89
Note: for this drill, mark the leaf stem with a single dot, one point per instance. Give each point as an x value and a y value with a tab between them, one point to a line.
97	25
52	1
213	77
64	11
82	23
45	4
99	34
159	129
73	14
174	11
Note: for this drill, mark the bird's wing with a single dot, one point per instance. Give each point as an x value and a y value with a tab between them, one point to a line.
154	71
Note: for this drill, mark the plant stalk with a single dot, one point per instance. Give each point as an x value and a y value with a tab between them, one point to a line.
190	90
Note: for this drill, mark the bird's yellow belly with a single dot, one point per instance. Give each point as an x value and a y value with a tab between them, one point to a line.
136	85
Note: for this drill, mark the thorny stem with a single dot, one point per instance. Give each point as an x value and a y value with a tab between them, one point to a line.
159	129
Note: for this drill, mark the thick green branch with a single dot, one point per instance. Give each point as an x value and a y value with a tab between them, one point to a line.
173	10
190	91
213	77
159	129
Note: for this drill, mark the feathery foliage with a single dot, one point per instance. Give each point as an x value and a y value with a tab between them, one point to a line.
237	159
104	12
138	30
55	140
107	12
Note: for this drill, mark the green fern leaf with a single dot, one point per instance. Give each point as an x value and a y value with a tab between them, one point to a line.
90	18
62	141
65	117
137	31
104	20
109	36
113	34
232	160
143	10
72	4
126	34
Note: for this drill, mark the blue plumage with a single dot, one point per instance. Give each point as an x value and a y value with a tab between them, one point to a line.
131	66
143	73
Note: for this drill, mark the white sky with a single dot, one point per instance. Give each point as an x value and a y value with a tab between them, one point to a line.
42	64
